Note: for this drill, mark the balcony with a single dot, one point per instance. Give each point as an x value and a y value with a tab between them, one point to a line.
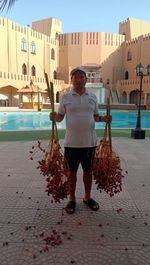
133	84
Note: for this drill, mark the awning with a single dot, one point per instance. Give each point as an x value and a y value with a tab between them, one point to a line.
8	90
31	90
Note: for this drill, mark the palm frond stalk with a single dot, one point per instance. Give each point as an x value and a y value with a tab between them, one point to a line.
6	3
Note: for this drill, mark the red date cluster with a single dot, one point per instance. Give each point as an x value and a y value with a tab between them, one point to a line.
54	167
107	170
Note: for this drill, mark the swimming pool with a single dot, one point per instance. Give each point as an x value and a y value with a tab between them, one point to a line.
21	120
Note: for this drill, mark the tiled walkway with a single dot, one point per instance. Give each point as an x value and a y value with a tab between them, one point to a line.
118	234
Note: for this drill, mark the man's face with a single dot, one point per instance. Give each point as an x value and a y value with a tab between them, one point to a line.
78	80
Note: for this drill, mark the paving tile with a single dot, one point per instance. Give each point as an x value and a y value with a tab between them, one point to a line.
21	216
48	216
4	213
45	203
8	202
34	254
12	233
10	253
27	202
14	192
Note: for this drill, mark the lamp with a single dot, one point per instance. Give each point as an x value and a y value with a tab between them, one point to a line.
138	133
38	90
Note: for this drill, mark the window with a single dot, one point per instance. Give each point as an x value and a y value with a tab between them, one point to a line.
23	45
57	97
24	69
107	81
33	70
126	75
52	54
55	75
129	56
33	47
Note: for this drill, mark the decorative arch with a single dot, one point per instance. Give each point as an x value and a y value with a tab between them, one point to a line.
126	75
57	97
33	47
24	69
52	54
57	35
23	44
134	97
55	74
124	97
129	56
33	70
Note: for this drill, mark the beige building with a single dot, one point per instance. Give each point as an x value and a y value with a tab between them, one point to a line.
26	53
135	50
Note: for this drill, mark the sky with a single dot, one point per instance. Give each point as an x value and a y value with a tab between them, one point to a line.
79	15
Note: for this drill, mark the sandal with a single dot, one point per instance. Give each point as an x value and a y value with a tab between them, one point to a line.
71	206
92	204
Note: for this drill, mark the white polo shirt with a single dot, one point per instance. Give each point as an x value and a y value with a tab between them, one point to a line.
80	124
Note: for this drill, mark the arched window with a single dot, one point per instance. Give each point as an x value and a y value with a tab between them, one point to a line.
134	96
33	70
57	97
124	97
129	56
52	54
24	69
23	44
55	75
56	36
126	75
33	47
107	81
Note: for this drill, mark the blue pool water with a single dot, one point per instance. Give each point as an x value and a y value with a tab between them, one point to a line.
40	120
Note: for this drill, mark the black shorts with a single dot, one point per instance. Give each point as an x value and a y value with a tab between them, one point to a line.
75	156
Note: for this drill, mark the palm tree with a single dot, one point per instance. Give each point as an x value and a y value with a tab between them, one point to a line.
8	3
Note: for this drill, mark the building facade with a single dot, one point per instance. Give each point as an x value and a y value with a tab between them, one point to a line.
26	53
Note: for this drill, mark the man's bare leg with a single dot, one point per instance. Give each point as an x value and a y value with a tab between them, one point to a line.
70	208
72	184
87	179
91	203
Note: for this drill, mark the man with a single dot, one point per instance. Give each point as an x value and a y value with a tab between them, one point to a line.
81	110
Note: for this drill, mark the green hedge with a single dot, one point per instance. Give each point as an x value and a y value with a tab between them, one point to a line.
45	134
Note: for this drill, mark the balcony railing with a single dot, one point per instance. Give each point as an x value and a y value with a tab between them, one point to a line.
93	80
27	78
132	84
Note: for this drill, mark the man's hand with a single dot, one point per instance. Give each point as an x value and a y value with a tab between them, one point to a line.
108	118
53	116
